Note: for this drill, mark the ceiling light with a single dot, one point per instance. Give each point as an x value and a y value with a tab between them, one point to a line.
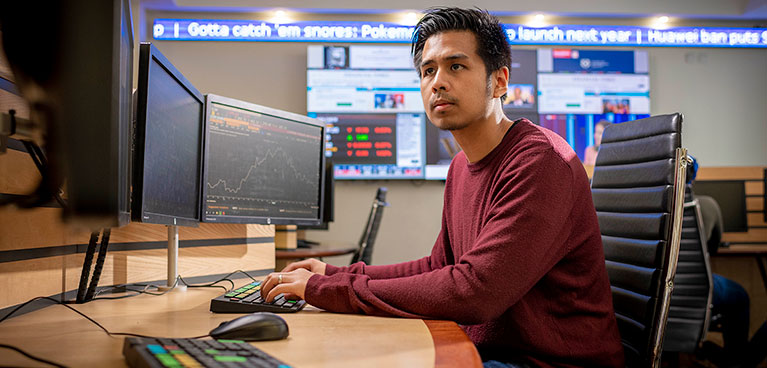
536	20
281	17
663	19
410	18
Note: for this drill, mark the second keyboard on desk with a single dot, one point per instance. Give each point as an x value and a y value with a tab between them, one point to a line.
247	299
191	353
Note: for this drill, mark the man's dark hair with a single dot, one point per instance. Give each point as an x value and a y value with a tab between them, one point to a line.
492	44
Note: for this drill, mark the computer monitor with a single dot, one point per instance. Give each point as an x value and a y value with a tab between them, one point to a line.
262	165
167	175
731	197
328	198
75	68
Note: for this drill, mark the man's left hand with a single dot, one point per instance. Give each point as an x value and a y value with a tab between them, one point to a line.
292	284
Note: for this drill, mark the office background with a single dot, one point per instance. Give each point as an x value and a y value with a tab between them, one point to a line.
722	93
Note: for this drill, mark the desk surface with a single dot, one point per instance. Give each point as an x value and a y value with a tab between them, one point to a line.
743	249
317	338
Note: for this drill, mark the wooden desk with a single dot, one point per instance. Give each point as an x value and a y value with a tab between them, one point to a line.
317	338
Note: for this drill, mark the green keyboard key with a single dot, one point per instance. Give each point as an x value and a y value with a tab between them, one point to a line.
229	295
230	358
211	351
167	360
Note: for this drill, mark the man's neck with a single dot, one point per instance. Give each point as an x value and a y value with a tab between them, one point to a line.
481	137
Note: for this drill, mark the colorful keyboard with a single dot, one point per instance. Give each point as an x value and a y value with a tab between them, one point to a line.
191	353
247	299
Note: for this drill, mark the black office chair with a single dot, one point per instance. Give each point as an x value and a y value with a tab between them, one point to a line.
638	192
367	240
690	310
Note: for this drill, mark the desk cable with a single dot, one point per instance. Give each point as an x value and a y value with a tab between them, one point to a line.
146	287
66	304
30	356
112	334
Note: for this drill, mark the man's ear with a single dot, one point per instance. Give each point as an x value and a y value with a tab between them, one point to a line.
501	79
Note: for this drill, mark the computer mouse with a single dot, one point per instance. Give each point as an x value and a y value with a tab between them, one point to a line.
252	327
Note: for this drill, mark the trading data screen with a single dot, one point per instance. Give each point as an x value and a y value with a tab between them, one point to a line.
357	89
261	168
370	99
374	145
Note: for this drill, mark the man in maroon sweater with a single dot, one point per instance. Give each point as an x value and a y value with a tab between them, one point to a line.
518	261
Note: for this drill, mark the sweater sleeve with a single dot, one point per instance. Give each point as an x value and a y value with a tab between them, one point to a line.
519	242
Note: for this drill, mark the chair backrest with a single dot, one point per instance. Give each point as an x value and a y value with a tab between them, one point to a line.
638	192
689	313
367	240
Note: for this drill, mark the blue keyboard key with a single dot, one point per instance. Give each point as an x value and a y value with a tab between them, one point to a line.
156	349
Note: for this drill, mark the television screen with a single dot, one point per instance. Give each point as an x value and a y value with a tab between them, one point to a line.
369	98
355	88
581	91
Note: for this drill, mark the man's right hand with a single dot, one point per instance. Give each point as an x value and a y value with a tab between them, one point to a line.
310	264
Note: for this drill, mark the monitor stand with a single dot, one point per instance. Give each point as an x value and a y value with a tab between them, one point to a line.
173	279
285	236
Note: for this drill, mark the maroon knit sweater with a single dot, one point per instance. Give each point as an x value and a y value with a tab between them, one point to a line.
518	261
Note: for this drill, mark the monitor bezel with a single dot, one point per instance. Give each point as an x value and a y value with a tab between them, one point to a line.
125	15
262	220
148	54
328	204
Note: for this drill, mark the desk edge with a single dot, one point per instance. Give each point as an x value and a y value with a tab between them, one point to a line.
452	348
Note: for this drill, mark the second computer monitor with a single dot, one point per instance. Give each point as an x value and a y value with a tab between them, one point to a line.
167	167
262	165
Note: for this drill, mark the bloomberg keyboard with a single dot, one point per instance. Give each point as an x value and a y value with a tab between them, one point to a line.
189	353
247	299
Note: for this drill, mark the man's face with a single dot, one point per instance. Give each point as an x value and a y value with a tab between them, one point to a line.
454	85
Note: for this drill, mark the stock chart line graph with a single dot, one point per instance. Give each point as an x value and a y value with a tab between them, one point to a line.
261	165
299	177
